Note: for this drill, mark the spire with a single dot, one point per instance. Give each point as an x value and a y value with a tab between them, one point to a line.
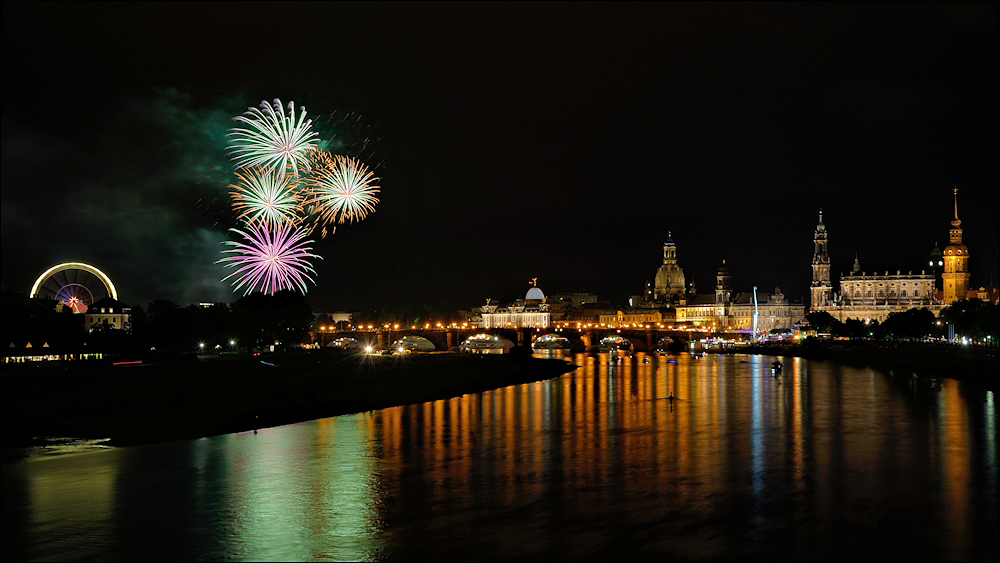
820	227
957	221
857	265
955	233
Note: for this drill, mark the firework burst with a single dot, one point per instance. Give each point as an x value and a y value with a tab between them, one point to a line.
270	260
264	197
273	140
340	189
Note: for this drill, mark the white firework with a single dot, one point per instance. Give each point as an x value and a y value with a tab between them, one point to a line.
266	197
341	189
273	140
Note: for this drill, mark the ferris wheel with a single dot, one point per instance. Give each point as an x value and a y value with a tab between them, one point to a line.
75	284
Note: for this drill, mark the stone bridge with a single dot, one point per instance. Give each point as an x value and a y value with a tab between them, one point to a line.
581	340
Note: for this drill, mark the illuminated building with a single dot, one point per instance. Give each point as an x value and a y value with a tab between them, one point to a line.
628	317
955	279
530	312
110	311
735	311
864	296
669	282
821	290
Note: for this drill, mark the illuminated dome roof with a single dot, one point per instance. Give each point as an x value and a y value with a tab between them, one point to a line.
413	342
534	293
723	270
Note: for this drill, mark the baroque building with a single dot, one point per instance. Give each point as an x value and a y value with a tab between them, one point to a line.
955	278
864	296
669	282
736	311
530	312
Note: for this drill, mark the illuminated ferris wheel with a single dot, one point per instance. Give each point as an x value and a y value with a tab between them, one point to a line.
75	284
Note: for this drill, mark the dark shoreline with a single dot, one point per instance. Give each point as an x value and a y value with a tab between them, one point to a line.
977	364
149	403
141	404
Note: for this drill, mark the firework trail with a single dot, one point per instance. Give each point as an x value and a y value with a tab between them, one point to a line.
273	140
340	189
272	259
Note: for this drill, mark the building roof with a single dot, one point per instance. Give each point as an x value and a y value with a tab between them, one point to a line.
112	305
702	300
534	293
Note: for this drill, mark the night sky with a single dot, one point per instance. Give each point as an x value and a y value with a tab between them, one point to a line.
558	141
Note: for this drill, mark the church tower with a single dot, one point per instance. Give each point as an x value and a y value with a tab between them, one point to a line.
723	285
669	281
821	288
955	279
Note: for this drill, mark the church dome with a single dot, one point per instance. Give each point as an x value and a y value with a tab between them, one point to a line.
723	270
534	294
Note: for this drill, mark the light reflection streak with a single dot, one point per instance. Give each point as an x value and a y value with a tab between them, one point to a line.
588	464
757	397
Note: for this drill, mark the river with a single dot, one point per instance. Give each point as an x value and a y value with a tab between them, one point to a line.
821	462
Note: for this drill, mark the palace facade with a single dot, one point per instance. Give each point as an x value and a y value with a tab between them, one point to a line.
530	312
873	297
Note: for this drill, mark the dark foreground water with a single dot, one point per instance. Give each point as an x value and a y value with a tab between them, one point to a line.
823	462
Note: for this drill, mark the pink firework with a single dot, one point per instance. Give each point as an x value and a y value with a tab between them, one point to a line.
272	258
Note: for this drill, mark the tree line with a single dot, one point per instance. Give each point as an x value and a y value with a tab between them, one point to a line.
972	318
255	321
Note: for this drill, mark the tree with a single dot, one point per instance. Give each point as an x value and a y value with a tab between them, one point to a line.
104	336
825	322
974	319
854	328
911	324
262	320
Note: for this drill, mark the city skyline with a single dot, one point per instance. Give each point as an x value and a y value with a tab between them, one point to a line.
513	142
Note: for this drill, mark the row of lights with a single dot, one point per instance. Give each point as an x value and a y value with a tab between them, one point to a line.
391	326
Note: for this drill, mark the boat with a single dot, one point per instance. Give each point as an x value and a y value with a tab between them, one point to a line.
776	367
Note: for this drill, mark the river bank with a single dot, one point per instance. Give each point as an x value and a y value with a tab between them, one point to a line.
147	403
933	360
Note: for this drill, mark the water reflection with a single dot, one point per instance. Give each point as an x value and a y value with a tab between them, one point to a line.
818	462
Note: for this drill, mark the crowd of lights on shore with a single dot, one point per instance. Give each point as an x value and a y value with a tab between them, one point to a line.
286	187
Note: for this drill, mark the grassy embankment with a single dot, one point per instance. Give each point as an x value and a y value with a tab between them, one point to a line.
169	401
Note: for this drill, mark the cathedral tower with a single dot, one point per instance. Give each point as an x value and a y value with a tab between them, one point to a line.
955	279
821	288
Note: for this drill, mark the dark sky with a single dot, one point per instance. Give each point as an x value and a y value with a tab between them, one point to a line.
559	141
